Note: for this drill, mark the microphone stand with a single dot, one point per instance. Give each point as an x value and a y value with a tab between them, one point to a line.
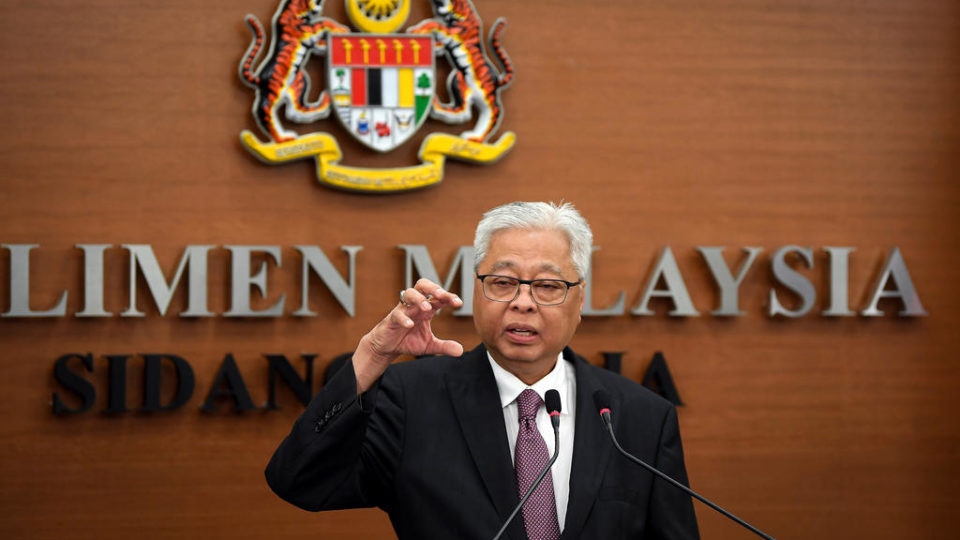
605	414
543	474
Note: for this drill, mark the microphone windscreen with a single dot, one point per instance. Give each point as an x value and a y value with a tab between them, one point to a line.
552	401
602	399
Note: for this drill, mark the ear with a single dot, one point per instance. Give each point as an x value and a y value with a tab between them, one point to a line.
583	298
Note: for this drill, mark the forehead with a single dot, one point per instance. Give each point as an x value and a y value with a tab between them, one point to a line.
528	250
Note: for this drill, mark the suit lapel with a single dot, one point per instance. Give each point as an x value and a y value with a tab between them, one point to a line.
476	402
591	450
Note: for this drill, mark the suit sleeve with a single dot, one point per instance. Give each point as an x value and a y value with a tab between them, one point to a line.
671	514
342	451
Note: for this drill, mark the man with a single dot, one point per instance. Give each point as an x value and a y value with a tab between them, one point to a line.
447	445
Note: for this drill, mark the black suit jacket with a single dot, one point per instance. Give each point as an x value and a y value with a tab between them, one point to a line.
427	444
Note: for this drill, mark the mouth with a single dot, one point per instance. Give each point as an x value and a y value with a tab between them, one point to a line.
521	333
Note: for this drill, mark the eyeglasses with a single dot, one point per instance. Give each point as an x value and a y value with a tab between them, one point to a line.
545	292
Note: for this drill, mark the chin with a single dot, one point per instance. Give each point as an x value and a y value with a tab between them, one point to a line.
519	353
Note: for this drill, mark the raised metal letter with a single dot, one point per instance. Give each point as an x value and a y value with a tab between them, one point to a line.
141	255
792	280
345	293
676	288
20	286
839	263
588	310
728	285
93	281
241	281
895	268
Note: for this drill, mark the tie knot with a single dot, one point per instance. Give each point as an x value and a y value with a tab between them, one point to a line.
528	403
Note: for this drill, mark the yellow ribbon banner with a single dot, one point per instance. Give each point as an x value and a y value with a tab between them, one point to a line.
433	152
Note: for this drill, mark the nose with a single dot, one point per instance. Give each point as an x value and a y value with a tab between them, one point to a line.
524	300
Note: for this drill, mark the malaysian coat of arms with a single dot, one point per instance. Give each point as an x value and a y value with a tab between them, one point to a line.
380	85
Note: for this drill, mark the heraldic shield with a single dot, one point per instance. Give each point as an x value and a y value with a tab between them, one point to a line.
381	85
380	82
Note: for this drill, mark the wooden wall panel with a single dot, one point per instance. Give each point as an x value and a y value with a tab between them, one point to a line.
681	124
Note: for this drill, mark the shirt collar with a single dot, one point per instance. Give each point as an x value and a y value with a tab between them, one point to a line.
510	386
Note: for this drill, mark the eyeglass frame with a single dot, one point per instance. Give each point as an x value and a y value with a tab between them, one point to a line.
529	282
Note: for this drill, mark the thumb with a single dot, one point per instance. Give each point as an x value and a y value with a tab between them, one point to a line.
447	347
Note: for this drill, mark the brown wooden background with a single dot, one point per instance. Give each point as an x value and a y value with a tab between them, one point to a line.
681	123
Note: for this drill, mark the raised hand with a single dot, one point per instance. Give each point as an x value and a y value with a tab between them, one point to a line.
405	330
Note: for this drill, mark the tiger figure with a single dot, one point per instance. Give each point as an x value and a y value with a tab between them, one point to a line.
298	31
474	81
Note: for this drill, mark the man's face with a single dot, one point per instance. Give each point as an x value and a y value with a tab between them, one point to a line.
521	335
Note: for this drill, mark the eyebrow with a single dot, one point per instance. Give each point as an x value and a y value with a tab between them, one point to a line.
545	267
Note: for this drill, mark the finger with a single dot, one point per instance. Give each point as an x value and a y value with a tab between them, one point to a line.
454	300
414	298
442	298
437	296
398	317
425	285
433	292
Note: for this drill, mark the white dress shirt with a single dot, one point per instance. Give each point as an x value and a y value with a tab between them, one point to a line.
562	379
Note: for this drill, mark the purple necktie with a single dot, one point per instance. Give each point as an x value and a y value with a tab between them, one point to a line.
531	456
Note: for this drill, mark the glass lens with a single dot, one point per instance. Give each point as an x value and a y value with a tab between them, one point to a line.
500	288
548	291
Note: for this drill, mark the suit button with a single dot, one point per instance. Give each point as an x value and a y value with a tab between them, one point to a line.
338	407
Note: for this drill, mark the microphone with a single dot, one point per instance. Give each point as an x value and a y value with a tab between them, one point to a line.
552	403
553	407
602	399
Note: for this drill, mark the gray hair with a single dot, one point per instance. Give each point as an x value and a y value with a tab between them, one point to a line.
537	215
